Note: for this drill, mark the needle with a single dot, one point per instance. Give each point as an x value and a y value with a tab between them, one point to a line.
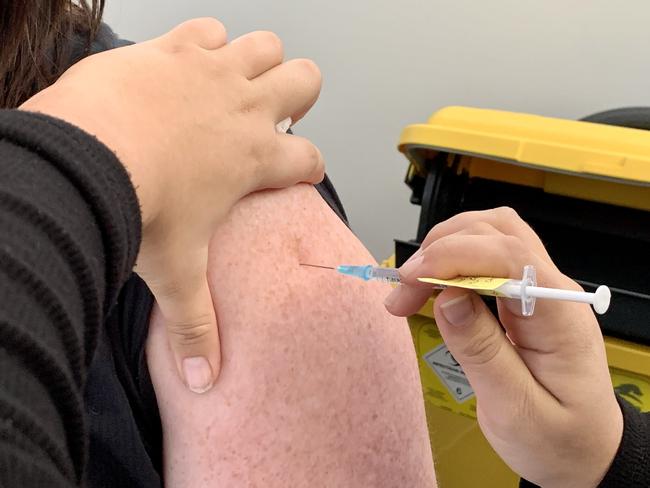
316	266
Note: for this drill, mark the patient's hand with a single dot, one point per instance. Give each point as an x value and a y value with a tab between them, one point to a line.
319	385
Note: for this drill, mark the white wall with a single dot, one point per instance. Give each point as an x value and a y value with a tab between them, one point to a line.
391	63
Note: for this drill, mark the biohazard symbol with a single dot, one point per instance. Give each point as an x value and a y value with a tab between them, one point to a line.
630	391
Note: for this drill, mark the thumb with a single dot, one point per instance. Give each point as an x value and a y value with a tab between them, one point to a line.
498	375
193	335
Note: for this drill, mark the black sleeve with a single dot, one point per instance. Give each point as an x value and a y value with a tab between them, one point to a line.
631	465
69	234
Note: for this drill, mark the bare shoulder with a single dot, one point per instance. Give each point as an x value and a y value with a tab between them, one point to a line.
319	385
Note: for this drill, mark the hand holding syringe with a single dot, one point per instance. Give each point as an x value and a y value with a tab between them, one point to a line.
526	289
550	369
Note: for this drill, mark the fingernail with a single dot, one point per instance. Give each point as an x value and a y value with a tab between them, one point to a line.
410	266
393	297
458	311
198	374
284	126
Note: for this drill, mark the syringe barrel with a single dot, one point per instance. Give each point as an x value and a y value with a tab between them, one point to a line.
600	300
513	290
567	295
388	275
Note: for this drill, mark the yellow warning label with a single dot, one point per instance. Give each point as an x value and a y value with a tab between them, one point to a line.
443	382
481	284
632	387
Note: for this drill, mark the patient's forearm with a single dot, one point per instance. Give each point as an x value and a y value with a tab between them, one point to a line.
319	385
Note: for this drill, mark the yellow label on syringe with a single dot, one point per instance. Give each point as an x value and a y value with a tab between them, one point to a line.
482	285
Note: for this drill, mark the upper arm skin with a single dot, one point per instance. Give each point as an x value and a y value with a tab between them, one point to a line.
319	384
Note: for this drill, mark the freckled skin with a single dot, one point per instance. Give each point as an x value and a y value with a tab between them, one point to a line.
319	386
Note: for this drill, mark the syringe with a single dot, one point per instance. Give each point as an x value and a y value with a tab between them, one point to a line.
366	273
369	272
526	289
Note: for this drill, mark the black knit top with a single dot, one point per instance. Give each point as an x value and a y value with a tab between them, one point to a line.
69	235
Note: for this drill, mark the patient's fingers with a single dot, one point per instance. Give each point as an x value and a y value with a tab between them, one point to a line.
298	160
291	88
254	53
207	32
188	313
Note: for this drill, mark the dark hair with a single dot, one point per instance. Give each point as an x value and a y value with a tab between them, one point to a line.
36	38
